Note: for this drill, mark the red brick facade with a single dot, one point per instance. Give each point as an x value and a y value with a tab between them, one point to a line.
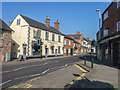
67	46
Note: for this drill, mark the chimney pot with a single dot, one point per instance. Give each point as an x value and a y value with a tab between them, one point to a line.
57	25
47	21
78	33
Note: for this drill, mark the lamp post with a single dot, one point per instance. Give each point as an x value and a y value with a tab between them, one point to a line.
99	16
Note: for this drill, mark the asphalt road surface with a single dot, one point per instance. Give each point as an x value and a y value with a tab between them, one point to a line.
15	74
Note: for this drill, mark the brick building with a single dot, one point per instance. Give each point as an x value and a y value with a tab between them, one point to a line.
108	37
85	44
70	46
5	41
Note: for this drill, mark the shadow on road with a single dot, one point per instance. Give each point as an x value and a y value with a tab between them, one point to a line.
91	56
86	83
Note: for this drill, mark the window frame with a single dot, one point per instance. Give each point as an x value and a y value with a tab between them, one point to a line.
53	37
46	35
105	16
59	38
18	21
58	49
105	32
118	24
52	50
118	4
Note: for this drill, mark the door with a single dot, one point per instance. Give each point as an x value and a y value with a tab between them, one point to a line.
55	52
46	52
115	54
71	51
67	52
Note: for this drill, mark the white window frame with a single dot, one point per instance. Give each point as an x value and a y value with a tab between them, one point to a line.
105	15
64	42
69	50
69	43
118	24
105	32
64	50
18	22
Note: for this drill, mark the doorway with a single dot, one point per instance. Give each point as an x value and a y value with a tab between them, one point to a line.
56	52
116	54
46	52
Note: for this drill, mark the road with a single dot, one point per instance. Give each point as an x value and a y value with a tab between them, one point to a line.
15	74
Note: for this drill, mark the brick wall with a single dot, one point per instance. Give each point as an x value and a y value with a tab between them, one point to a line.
67	46
6	44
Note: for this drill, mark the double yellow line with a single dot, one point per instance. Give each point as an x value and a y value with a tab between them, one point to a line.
79	78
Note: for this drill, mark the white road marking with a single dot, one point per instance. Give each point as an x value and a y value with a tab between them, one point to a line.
65	65
5	82
6	71
18	68
45	71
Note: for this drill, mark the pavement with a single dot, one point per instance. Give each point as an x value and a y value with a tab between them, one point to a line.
71	73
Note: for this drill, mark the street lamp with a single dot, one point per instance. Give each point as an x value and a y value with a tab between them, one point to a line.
99	17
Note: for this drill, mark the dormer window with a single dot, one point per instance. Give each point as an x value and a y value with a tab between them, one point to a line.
18	21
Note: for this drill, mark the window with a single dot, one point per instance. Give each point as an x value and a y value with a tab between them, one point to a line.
1	35
64	42
52	49
118	26
34	34
105	32
69	50
69	43
39	33
47	36
118	4
58	49
53	37
106	15
18	21
64	50
59	38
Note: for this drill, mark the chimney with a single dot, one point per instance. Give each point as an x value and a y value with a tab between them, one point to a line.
78	33
88	39
82	36
57	25
10	22
48	21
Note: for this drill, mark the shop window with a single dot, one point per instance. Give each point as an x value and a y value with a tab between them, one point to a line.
64	42
69	43
52	50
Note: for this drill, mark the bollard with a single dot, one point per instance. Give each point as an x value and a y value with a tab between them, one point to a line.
92	63
85	61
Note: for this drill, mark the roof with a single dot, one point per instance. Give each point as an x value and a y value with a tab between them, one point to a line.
4	26
40	25
65	36
76	36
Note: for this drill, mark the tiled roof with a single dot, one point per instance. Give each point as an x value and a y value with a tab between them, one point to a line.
4	26
39	25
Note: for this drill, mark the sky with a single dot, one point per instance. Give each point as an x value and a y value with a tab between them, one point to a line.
73	16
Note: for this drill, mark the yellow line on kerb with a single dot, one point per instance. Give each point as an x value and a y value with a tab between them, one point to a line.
79	78
80	68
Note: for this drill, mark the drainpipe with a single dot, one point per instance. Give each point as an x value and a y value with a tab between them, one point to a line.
28	41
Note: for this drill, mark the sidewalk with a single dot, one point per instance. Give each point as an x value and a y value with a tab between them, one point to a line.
100	76
16	62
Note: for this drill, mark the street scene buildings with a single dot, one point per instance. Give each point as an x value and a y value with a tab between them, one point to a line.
63	50
108	37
